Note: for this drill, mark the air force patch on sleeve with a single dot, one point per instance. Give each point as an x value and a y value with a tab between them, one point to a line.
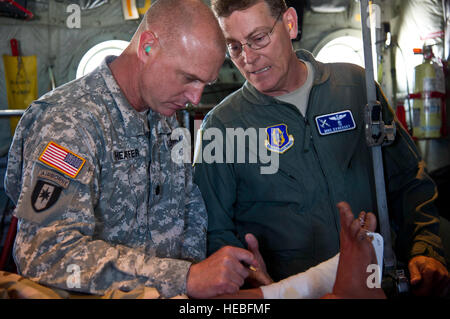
335	122
278	139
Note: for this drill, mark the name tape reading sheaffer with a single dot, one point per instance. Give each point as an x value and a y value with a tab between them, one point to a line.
125	155
335	122
62	159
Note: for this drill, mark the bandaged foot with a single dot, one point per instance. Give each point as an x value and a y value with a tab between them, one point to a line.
356	254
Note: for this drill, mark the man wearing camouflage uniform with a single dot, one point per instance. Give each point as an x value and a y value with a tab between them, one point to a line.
101	204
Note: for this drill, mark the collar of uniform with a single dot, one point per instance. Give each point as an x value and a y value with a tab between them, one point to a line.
321	70
321	74
162	124
134	123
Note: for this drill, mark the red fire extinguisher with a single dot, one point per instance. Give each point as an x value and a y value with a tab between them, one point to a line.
428	99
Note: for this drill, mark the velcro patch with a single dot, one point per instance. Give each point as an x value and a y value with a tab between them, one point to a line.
44	196
125	155
278	138
54	177
335	122
62	159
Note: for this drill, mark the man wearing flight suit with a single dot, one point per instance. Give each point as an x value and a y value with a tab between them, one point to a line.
313	116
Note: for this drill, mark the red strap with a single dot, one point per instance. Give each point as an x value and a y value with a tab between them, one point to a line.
14	47
433	95
18	6
414	96
401	115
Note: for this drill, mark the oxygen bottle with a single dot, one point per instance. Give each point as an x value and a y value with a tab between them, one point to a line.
428	97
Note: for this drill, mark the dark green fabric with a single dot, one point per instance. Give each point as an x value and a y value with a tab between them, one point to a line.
293	212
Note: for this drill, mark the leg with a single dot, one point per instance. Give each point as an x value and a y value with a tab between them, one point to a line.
356	253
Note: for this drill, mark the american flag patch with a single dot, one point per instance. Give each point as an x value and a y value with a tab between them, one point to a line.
62	159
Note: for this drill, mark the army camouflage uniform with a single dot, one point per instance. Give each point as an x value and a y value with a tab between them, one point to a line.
131	216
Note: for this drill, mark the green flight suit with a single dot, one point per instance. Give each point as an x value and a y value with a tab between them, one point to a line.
293	212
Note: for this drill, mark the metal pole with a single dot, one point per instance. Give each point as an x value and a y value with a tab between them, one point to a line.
9	113
377	159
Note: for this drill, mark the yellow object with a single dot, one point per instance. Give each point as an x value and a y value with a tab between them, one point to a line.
131	11
429	83
144	9
21	83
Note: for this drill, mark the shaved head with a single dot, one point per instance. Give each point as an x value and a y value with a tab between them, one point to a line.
170	20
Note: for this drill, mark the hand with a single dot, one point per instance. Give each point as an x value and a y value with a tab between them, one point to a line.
220	273
260	276
428	277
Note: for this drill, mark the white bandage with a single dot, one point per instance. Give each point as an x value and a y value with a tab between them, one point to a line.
311	284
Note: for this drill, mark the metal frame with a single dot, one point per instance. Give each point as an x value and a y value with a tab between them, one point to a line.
10	113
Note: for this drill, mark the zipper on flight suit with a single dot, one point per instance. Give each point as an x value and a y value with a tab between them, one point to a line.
307	138
307	135
316	155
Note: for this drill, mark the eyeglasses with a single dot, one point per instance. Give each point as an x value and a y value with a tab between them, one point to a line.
258	41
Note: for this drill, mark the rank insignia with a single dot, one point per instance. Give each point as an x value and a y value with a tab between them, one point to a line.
44	196
278	139
335	122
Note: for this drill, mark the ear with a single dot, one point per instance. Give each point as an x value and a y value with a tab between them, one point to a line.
290	20
148	45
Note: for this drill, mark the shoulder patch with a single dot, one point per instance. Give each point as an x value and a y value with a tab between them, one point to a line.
54	177
44	196
62	159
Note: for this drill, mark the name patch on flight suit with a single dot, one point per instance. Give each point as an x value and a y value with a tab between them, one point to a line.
278	139
335	122
125	155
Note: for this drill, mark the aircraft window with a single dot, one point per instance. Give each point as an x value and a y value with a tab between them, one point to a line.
343	49
95	55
